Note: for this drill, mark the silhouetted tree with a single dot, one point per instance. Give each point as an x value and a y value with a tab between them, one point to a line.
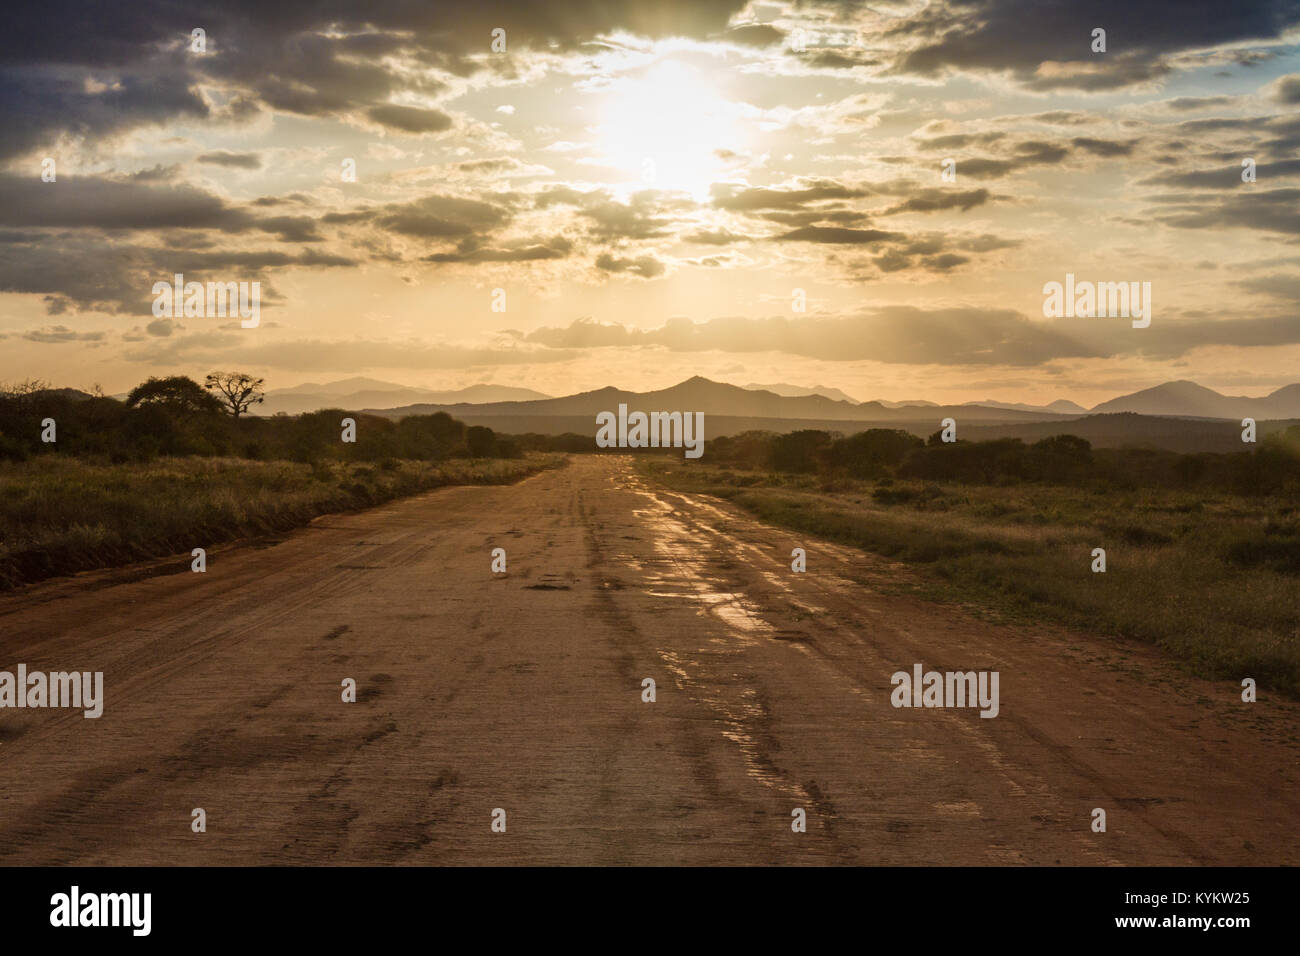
480	440
238	390
175	393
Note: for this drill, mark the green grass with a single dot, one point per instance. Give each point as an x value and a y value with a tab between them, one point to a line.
59	515
1214	580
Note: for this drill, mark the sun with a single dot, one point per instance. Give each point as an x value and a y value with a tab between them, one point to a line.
666	129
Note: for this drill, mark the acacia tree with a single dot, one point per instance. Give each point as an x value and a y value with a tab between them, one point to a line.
238	391
176	393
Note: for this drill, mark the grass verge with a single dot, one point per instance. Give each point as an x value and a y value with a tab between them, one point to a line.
1214	580
63	515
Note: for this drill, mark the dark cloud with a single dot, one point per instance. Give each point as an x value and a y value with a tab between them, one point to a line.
1288	89
646	215
297	56
524	251
84	202
833	214
116	277
1187	103
742	199
162	328
443	217
833	234
715	237
1249	207
755	34
39	102
1046	44
61	333
1279	286
500	164
960	140
410	119
223	157
647	267
1229	177
1102	147
934	199
828	59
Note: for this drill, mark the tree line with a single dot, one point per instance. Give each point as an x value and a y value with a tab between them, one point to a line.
176	415
1270	467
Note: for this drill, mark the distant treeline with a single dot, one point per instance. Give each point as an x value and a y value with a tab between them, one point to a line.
177	416
183	419
1270	467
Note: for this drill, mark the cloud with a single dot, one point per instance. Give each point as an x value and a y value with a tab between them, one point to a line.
89	202
755	34
646	214
1279	286
163	327
1271	210
894	334
935	199
1102	147
647	267
1229	177
348	355
39	101
113	277
223	157
746	199
831	234
1286	89
439	217
715	237
61	333
1046	44
410	119
301	57
530	250
908	335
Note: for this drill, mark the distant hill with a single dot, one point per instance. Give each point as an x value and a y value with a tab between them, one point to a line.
795	391
1127	429
1184	399
913	402
356	393
714	399
75	394
1060	407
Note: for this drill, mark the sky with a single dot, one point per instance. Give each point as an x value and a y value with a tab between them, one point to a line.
576	194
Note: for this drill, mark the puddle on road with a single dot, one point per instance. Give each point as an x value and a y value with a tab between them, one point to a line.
682	569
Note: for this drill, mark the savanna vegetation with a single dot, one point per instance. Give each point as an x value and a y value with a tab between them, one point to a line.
1202	551
177	416
179	465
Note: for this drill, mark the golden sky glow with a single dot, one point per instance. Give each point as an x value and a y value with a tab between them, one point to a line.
650	191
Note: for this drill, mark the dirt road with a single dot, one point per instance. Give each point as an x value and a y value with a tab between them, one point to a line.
523	691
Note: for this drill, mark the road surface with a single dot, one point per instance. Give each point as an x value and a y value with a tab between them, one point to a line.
523	691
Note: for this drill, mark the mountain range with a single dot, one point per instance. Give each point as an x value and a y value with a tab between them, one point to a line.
1180	399
372	393
1184	399
715	399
